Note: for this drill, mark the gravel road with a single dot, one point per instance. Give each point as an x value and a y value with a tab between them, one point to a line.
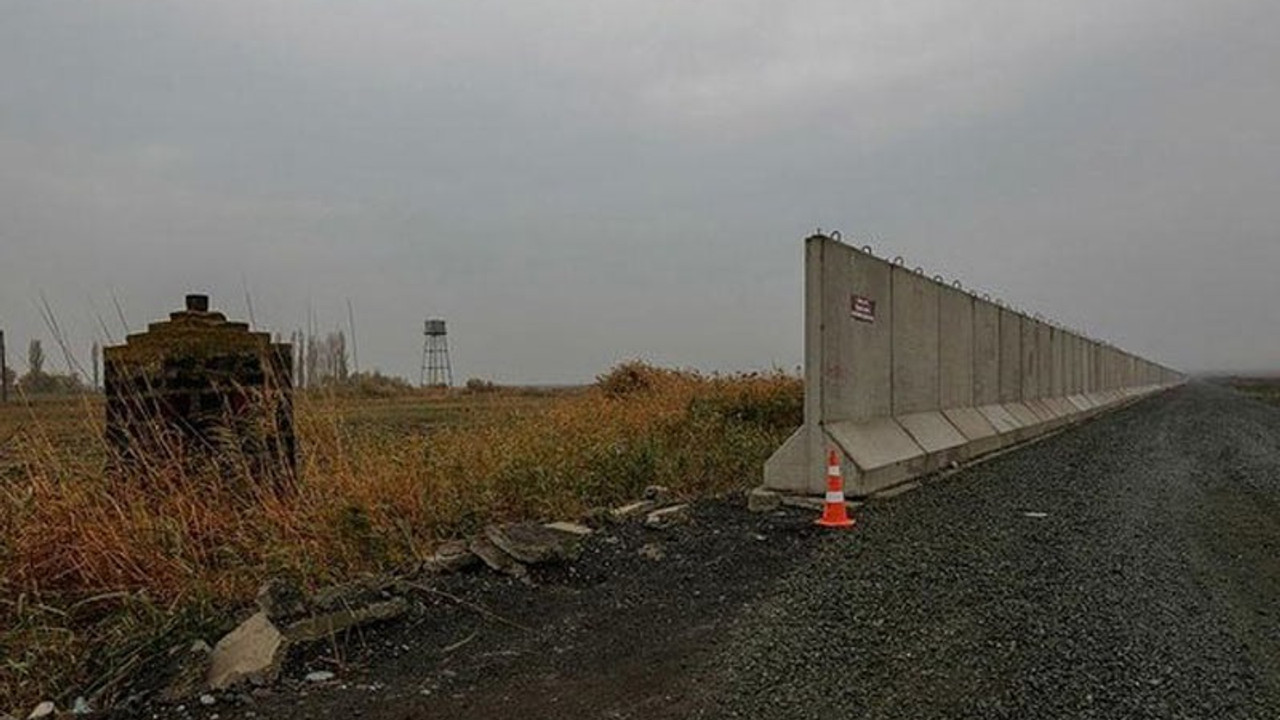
1128	568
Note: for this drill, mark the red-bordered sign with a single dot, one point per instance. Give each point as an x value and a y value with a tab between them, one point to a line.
863	309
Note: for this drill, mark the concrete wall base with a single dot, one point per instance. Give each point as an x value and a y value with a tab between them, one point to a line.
885	452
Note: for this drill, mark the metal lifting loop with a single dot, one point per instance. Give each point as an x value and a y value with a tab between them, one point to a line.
939	279
957	284
835	235
899	261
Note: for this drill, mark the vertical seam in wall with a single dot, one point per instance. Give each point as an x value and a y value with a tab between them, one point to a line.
892	361
999	354
937	355
821	341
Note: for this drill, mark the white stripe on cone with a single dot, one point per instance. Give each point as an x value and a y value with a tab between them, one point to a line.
835	497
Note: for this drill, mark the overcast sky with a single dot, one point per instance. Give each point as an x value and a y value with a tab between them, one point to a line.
571	184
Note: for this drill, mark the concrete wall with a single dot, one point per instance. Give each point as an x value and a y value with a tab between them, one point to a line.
905	375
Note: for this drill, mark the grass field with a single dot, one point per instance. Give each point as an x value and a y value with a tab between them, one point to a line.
1262	388
103	573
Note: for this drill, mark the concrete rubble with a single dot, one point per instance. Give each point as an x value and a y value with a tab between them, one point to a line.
254	652
668	516
495	558
568	527
250	653
763	500
633	510
534	544
450	557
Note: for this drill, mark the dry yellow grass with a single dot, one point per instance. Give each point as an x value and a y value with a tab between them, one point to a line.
99	572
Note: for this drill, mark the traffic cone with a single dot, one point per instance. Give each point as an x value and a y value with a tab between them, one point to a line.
834	514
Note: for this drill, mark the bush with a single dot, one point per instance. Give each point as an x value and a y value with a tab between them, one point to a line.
634	376
369	385
42	383
476	385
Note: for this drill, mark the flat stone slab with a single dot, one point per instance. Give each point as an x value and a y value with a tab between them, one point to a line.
533	544
496	558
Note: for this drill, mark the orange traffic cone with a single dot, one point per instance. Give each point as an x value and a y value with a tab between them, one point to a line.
834	514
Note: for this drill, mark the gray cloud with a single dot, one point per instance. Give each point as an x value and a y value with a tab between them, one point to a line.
576	183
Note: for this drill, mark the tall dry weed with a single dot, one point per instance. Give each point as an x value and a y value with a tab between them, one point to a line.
100	570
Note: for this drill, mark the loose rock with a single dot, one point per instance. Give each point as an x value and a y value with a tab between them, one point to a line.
252	652
652	551
44	710
319	676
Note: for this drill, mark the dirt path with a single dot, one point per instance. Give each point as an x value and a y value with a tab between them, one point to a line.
1127	568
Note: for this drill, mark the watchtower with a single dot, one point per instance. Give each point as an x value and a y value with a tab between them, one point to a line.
436	370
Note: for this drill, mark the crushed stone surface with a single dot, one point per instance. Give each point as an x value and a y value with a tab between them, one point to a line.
1125	568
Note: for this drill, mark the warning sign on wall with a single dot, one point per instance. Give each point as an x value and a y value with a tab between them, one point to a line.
863	308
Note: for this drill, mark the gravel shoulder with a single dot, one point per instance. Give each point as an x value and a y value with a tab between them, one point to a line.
1127	568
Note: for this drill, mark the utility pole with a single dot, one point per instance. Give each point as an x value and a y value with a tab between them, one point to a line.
4	373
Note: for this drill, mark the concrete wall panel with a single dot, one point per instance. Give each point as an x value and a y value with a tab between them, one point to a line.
1044	356
986	353
915	342
1058	379
1030	360
1010	356
955	347
857	355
